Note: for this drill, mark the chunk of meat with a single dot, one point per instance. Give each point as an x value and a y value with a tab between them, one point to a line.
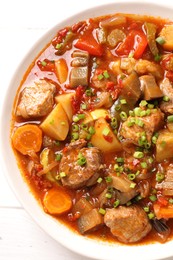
150	124
77	175
90	221
36	100
128	224
167	89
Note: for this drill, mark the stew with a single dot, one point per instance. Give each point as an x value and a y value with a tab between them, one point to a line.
92	128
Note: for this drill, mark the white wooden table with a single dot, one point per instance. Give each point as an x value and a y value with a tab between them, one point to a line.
21	24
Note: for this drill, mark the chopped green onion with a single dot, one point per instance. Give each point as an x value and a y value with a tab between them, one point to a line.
143	103
88	137
75	128
106	131
132	185
150	160
170	119
166	98
123	115
83	106
62	174
128	203
138	155
170	200
114	123
150	106
99	180
116	203
100	76
81	159
102	211
138	198
84	127
58	46
106	74
78	117
43	63
131	113
153	198
137	111
137	173
118	168
108	195
144	165
108	179
151	215
131	122
89	92
75	136
123	101
58	156
157	57
91	130
159	176
120	160
160	40
139	122
131	176
146	209
117	107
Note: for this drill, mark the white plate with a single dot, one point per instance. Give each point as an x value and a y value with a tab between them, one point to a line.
71	240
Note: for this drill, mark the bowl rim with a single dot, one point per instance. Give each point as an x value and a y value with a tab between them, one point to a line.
71	240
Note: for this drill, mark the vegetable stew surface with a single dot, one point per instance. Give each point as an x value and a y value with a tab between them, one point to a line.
92	128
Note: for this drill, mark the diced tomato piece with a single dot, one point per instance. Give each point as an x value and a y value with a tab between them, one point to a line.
88	43
169	75
46	65
135	43
108	138
167	63
162	201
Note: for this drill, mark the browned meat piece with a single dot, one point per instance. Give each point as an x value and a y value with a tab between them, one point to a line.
79	175
150	124
167	184
36	100
90	221
167	89
128	224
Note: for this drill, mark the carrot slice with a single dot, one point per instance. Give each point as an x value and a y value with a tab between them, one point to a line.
56	201
27	138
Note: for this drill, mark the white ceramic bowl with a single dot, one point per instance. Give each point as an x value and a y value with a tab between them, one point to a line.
59	232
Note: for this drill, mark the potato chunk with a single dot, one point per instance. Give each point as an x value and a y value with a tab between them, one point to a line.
56	124
164	146
104	138
66	101
167	34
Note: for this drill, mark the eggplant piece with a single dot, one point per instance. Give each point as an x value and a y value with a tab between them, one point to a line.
79	72
121	183
80	59
151	37
162	229
131	92
150	88
81	207
131	88
90	221
79	76
115	37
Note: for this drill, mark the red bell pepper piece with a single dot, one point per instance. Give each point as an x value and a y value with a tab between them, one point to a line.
88	43
135	43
